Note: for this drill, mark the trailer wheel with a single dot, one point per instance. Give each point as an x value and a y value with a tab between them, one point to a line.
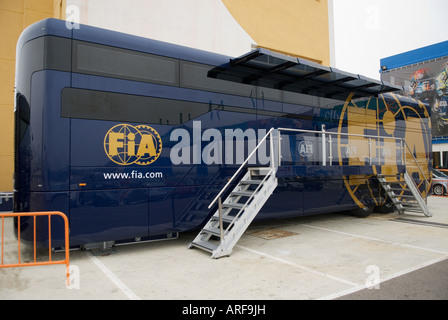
362	212
387	207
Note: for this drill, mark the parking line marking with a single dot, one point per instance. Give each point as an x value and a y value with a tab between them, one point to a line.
376	239
326	275
128	292
393	276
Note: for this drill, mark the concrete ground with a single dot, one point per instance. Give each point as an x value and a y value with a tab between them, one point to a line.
332	256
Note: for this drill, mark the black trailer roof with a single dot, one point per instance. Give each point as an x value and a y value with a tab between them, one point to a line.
273	70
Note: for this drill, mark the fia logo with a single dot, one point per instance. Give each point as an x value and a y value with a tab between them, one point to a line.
125	144
306	148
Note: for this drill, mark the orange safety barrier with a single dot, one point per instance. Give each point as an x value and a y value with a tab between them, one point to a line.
66	261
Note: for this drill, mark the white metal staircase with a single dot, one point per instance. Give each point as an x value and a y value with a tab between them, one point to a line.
403	192
402	189
235	214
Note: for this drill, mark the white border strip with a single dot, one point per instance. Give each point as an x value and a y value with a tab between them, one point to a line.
375	239
396	275
128	292
298	266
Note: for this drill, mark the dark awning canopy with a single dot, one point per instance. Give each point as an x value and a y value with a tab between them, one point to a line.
273	70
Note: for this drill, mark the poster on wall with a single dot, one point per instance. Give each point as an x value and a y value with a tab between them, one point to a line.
428	82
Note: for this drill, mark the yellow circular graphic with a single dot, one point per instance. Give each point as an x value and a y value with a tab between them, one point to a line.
383	117
389	122
125	144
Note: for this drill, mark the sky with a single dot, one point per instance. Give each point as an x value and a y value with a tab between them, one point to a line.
366	31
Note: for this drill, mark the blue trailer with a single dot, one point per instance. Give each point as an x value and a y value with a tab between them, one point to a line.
136	139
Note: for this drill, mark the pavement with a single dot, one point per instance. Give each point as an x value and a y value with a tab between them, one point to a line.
323	257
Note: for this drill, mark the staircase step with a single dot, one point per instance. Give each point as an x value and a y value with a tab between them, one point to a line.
403	196
225	218
388	183
412	207
242	193
250	181
261	171
212	231
233	205
208	246
390	176
410	204
414	210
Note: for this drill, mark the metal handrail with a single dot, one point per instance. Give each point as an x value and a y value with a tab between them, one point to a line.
243	165
339	133
403	141
324	133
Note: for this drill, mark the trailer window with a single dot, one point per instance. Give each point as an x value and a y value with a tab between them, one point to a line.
124	64
99	105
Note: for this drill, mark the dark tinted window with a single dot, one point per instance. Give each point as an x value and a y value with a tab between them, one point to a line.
57	53
99	105
124	64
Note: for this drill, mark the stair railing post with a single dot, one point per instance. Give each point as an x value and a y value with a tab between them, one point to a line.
221	226
403	142
403	156
324	147
271	147
279	148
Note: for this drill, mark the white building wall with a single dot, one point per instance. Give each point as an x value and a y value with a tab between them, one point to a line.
201	24
442	147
